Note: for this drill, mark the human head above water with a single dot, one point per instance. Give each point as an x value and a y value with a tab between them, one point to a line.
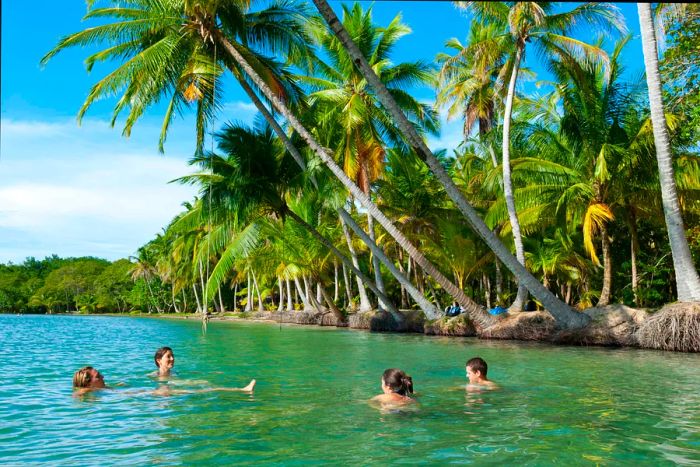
398	381
160	353
88	377
477	364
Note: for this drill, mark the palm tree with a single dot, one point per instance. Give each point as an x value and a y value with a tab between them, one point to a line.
208	30
687	279
250	182
352	121
223	33
563	314
534	22
469	83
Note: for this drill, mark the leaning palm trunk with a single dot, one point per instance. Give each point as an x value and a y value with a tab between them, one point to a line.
301	294
310	296
327	243
563	314
517	305
348	286
331	305
375	260
205	298
196	297
687	280
477	313
364	300
257	290
428	309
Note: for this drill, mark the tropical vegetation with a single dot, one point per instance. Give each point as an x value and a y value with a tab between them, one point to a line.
569	191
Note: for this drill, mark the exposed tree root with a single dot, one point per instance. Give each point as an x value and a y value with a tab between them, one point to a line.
612	325
674	327
530	326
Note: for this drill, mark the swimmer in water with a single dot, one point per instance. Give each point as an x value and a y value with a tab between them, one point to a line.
396	388
87	379
165	360
476	374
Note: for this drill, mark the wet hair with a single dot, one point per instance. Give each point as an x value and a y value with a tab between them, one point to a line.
159	354
83	377
398	381
478	364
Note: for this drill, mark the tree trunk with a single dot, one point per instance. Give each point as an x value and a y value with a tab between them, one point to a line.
429	310
487	290
327	243
310	296
249	296
331	305
196	297
235	298
336	285
221	301
205	298
499	279
520	298
404	294
607	268
290	306
172	293
375	260
280	307
478	314
435	297
301	294
319	297
634	248
563	314
364	300
687	280
348	286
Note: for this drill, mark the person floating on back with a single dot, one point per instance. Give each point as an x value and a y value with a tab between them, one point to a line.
476	374
165	360
396	388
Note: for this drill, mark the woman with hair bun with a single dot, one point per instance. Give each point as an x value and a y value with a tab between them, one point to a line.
396	388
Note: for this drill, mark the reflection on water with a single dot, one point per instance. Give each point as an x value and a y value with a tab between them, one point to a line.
555	404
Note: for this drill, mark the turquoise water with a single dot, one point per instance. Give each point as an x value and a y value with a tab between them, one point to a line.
557	404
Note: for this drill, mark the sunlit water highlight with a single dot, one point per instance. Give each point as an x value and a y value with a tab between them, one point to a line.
557	404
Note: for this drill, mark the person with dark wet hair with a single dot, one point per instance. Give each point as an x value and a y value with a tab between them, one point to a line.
165	360
397	387
476	374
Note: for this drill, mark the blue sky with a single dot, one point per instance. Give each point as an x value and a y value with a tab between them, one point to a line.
87	190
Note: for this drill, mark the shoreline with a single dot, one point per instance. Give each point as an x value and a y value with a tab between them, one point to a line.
612	326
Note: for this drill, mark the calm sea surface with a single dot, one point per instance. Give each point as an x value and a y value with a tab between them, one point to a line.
561	405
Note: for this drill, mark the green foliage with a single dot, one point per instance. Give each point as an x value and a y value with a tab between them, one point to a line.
72	284
680	69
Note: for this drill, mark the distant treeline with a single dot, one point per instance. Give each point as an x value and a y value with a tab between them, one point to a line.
56	284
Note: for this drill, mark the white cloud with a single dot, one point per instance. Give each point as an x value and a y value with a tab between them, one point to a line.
86	190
